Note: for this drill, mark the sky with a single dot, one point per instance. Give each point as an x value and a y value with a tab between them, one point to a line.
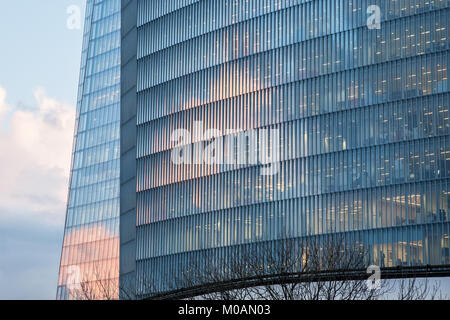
39	68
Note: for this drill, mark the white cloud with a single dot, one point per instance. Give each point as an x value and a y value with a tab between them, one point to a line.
35	149
4	107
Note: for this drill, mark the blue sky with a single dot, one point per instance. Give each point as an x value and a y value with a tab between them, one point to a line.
38	49
39	66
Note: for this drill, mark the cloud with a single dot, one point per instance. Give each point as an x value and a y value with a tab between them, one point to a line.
4	107
36	146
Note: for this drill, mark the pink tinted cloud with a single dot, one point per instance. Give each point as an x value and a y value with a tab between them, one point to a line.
35	146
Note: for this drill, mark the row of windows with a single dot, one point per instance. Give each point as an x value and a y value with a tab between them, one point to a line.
422	75
299	22
104	44
104	61
150	10
384	165
92	232
94	193
106	270
426	159
98	136
107	114
101	98
98	173
98	81
335	213
95	155
104	9
109	24
87	214
85	252
396	121
401	246
187	22
350	49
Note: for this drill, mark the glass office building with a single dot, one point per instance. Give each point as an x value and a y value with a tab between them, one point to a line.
89	259
363	116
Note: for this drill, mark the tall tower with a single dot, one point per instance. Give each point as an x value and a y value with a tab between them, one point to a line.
90	254
362	114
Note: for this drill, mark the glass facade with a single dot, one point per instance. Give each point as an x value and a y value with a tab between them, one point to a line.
363	116
90	254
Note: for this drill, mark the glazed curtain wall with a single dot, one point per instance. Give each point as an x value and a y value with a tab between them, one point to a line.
363	117
91	240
